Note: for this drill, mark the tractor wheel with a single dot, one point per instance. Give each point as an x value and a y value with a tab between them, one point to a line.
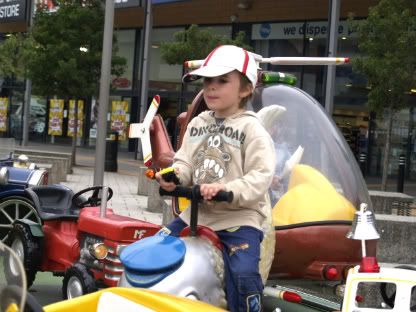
78	281
13	208
28	249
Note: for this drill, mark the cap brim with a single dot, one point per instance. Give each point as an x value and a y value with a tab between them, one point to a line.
206	71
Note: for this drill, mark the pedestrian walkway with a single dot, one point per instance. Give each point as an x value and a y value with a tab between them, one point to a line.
125	200
124	182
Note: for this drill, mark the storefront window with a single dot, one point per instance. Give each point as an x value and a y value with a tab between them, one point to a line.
163	76
402	142
125	43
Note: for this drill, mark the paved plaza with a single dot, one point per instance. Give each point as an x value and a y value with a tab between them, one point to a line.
125	200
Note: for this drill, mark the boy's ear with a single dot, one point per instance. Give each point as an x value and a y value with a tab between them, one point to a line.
244	92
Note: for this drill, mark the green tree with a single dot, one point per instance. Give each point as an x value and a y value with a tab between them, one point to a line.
195	44
64	58
13	55
67	45
387	42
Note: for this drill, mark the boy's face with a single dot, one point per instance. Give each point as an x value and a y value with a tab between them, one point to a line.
223	94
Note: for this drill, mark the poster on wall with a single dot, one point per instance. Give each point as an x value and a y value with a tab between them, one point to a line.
4	103
71	119
93	118
56	116
119	118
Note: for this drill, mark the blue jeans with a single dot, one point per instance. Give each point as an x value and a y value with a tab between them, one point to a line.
241	253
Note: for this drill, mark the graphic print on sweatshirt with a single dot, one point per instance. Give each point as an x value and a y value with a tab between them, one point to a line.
211	160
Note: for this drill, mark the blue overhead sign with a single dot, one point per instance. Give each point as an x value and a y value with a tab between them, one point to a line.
166	1
126	3
136	3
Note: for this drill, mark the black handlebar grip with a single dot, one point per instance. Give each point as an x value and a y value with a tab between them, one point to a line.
181	191
171	177
223	196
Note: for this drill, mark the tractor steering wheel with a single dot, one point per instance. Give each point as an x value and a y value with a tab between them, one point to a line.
93	200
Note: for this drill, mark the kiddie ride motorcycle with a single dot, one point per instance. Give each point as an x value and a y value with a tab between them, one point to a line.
190	266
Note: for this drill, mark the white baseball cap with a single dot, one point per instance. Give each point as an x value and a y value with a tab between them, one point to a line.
225	59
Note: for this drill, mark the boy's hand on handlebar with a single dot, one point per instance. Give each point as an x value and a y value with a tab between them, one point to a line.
208	191
166	185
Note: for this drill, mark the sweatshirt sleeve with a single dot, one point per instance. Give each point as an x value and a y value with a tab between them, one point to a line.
183	162
258	170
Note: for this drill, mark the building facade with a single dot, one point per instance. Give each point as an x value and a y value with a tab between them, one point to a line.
272	28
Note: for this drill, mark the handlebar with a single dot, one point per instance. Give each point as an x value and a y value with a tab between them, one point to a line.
194	193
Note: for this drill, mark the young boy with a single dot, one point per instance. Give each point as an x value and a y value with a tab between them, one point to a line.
227	148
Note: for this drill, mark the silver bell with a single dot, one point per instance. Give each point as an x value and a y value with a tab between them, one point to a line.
363	226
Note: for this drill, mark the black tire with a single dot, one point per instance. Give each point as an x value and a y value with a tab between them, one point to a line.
12	208
28	248
12	294
78	281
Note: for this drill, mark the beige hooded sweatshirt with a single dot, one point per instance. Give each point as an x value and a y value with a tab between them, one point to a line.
237	152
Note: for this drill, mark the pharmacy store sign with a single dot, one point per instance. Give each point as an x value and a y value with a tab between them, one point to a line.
314	29
12	10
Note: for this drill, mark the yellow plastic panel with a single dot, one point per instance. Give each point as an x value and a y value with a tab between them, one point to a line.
311	197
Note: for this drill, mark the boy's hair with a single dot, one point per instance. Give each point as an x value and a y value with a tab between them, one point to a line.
245	83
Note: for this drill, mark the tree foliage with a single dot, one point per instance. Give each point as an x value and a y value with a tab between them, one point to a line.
13	53
387	42
195	44
55	63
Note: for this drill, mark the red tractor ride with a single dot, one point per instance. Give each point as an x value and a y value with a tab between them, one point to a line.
79	238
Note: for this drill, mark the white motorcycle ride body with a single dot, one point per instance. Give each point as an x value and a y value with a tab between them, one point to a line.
189	266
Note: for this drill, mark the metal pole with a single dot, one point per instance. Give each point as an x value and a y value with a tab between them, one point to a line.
26	112
74	134
104	198
145	66
104	93
28	91
363	160
332	50
400	175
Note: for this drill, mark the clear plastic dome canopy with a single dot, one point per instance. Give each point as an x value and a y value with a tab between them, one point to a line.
317	177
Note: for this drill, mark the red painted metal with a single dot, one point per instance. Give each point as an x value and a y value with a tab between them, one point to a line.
206	232
61	246
118	228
